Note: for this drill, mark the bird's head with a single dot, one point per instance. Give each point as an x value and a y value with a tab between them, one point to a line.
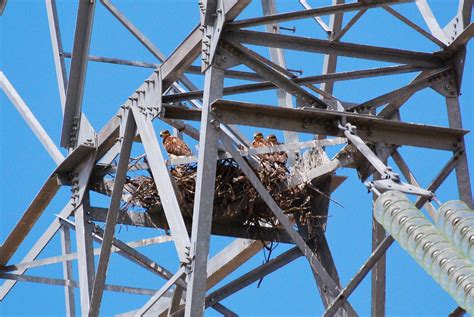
257	136
272	138
164	134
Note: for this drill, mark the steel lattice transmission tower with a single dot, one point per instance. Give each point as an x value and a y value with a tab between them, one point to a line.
372	131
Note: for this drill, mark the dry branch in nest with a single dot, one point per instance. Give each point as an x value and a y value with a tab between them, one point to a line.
236	200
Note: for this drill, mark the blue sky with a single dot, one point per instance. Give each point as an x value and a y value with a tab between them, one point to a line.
26	59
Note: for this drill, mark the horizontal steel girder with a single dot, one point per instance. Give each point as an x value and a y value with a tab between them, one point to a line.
296	15
61	282
319	121
430	60
317	79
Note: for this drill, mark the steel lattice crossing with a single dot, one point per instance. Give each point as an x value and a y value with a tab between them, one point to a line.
229	47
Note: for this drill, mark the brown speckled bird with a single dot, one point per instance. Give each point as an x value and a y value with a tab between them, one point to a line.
259	141
174	146
278	157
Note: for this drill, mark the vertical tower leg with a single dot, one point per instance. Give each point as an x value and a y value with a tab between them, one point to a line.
204	196
127	133
379	270
320	245
277	56
330	60
57	46
462	170
67	268
85	254
84	246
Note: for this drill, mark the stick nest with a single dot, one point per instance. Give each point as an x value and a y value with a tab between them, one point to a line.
236	200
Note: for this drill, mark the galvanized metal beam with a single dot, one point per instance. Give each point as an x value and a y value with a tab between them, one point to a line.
251	60
30	119
126	251
253	276
3	4
57	46
225	262
59	64
465	9
297	43
355	281
70	283
316	228
163	182
330	60
133	29
145	41
131	254
204	195
230	258
282	17
37	207
175	300
75	91
337	36
431	21
189	49
127	135
462	168
325	78
317	19
285	147
407	173
319	121
141	219
85	255
307	175
28	219
171	69
39	245
278	57
379	271
414	26
137	257
195	70
328	283
435	78
392	109
322	250
160	292
386	243
67	272
208	10
316	122
84	246
70	256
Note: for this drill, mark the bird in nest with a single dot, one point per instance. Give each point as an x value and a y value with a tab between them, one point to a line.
174	146
259	141
278	157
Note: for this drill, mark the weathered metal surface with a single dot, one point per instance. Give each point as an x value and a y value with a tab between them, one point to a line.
441	71
325	122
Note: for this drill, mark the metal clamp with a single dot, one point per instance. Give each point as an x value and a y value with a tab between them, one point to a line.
383	185
390	180
386	172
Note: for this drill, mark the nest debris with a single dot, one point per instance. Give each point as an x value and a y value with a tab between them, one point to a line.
236	200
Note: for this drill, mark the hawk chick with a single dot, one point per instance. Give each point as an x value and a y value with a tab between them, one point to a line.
174	146
278	157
